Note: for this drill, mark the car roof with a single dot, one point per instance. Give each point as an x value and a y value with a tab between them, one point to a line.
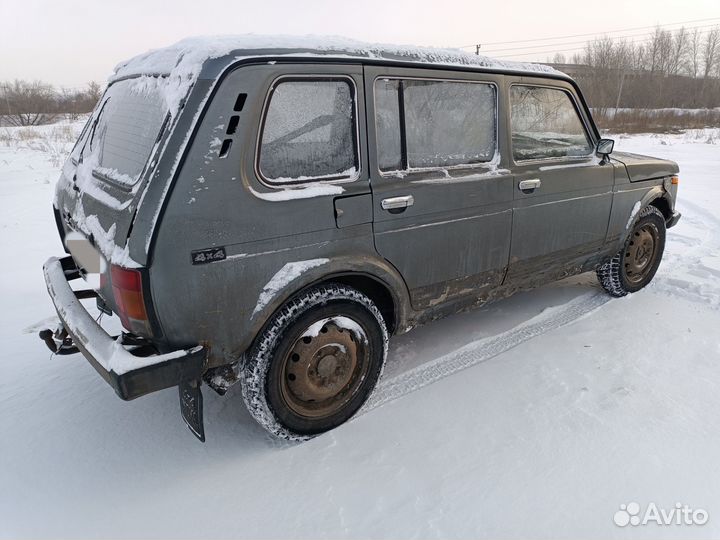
208	56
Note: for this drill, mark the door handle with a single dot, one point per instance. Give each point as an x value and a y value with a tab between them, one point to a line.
393	203
527	185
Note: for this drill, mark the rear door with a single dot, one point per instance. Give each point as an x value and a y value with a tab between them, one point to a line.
442	197
102	180
563	193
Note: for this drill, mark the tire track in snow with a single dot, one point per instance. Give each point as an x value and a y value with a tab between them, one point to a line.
688	270
483	349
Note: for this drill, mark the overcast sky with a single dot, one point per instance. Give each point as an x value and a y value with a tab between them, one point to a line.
70	42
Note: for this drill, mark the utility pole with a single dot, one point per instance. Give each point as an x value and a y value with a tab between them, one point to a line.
477	49
619	94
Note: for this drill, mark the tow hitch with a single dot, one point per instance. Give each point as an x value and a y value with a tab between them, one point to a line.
191	399
58	341
132	365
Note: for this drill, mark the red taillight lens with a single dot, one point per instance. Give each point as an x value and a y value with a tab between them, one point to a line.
127	290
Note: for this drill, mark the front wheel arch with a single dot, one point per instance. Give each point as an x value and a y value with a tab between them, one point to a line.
663	205
611	274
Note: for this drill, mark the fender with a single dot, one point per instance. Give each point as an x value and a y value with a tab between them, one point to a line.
653	194
366	265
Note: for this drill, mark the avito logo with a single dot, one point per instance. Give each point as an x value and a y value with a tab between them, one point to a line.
680	514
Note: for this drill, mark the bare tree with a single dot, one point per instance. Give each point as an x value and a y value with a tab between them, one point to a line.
679	42
710	51
693	53
24	103
672	69
28	103
94	92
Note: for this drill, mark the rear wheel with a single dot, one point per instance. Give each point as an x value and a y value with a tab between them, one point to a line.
636	263
316	363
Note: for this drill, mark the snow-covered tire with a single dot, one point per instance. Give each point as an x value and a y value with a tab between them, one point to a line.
615	275
268	363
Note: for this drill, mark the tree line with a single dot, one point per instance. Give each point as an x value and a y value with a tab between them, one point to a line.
31	103
672	69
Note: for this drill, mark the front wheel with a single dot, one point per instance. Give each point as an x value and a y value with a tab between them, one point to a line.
635	264
316	362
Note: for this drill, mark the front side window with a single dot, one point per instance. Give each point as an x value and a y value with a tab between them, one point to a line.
309	132
545	124
434	124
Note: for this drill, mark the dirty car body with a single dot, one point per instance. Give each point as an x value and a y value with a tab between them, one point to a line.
216	184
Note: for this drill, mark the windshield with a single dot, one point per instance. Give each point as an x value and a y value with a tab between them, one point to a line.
124	129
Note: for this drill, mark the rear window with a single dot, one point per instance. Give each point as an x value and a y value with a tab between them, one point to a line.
434	124
308	132
125	128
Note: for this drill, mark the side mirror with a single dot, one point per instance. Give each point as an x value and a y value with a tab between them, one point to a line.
605	147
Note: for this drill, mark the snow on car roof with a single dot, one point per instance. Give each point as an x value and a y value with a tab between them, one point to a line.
186	57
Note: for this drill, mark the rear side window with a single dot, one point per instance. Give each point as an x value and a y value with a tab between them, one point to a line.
309	132
545	124
434	124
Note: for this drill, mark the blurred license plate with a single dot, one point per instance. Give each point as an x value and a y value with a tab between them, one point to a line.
87	258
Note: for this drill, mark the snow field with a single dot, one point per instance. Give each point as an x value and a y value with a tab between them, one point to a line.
536	417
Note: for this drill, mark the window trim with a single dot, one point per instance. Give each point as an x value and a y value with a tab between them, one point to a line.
580	116
403	148
277	81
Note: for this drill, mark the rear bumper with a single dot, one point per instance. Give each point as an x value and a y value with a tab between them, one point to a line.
673	220
130	375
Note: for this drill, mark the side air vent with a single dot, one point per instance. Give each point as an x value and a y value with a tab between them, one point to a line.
225	148
240	102
233	124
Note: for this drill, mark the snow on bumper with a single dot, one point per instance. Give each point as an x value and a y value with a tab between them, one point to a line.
130	376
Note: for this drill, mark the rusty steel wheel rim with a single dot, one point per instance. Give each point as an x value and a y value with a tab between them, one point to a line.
641	252
325	367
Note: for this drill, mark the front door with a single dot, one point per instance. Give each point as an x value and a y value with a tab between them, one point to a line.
442	197
563	192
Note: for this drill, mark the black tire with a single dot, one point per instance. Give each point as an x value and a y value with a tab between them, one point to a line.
289	412
623	273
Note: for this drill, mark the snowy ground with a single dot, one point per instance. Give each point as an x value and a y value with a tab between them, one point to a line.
560	405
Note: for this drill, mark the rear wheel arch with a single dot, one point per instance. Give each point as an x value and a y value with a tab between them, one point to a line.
374	278
374	288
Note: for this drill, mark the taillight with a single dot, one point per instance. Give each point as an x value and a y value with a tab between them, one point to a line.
128	293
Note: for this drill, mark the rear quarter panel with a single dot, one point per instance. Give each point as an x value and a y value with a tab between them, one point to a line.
221	202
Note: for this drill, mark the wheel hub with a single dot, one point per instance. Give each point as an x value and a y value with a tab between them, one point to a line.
323	368
640	253
326	366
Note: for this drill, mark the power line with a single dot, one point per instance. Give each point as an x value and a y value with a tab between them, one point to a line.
591	33
550	51
585	41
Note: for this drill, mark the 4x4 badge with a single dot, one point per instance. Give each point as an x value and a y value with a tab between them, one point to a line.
203	256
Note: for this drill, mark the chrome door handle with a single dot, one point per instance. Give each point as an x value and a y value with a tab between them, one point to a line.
397	202
532	183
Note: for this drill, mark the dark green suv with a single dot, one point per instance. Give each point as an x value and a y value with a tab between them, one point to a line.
269	213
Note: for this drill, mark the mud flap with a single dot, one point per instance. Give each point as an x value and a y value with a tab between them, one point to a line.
191	407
